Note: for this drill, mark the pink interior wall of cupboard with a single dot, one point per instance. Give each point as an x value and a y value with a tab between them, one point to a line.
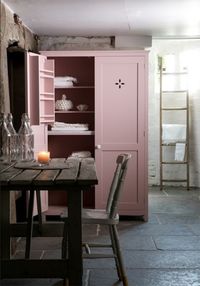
79	67
63	146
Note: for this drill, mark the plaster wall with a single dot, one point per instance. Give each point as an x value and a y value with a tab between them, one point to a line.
186	53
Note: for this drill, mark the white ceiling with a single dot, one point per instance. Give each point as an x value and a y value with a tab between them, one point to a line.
157	18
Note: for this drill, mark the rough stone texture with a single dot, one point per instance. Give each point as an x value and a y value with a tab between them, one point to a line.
47	43
10	33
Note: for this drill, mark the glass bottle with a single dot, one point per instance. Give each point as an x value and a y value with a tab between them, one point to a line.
31	138
24	139
14	137
5	140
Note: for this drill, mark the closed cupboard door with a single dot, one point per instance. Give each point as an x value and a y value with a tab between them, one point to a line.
120	127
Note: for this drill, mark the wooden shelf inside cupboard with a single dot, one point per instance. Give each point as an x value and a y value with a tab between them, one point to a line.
85	133
74	87
73	112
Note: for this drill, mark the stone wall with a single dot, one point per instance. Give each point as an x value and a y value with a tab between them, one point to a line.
11	33
47	43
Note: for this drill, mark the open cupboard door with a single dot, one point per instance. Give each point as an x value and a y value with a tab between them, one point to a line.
40	95
40	104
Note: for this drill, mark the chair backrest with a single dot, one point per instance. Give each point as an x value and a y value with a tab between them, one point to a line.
117	184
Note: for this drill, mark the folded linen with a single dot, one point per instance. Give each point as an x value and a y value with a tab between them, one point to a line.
64	81
61	126
65	78
81	154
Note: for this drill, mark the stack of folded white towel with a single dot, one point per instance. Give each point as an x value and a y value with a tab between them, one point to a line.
62	126
64	81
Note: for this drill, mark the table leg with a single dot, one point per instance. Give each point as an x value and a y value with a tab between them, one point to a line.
39	209
75	237
29	225
4	227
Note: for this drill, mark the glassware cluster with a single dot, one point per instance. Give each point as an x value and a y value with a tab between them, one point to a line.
16	146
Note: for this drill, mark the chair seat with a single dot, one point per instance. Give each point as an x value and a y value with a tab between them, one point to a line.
95	216
98	216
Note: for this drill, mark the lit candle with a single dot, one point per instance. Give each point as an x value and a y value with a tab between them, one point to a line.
43	157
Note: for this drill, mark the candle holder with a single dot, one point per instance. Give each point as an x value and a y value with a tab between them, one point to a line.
43	158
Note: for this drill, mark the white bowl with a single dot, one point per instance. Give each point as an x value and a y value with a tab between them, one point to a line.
82	107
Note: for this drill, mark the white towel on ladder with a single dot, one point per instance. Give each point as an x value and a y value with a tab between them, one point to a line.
180	152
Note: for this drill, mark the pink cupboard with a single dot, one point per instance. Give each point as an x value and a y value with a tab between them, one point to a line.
113	85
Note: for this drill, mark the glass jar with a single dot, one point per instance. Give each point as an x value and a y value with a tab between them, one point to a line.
31	138
5	140
14	138
24	139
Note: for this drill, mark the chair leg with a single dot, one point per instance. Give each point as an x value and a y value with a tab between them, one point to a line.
117	252
29	225
65	241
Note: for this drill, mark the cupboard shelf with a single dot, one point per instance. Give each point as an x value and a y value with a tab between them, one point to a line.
70	133
46	93
46	76
73	111
47	99
46	115
74	87
46	71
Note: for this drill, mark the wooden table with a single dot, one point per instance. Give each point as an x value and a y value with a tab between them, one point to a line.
73	176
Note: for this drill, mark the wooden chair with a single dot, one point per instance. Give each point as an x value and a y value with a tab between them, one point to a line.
108	217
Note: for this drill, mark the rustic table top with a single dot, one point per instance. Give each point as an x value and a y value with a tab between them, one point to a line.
58	172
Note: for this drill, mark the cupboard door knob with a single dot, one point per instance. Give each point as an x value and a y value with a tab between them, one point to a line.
98	147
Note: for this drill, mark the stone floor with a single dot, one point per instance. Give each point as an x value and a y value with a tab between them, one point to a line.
165	251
